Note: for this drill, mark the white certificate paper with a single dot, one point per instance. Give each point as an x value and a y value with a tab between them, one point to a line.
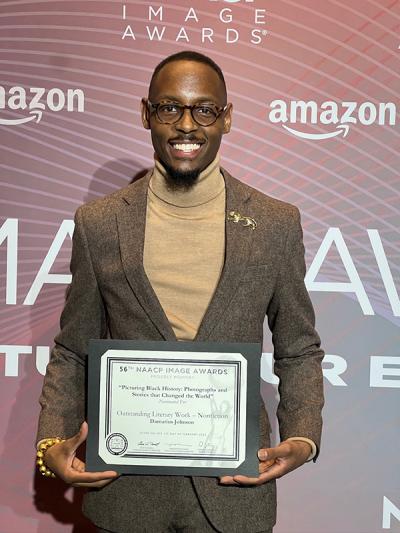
171	411
171	405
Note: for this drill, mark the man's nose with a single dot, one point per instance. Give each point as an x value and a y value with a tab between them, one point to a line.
186	122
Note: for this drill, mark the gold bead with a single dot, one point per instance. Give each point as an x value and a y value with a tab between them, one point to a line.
43	447
42	468
49	443
48	473
39	462
53	474
39	454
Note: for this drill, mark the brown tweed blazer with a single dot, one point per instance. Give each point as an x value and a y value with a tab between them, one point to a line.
110	295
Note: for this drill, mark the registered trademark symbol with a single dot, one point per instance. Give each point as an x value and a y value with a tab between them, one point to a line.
265	32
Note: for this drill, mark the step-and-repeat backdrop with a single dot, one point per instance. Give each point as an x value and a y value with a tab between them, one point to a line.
315	89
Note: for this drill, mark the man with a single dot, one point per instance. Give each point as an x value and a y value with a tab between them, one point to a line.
186	253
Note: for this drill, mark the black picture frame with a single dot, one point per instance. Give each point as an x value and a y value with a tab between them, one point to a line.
250	351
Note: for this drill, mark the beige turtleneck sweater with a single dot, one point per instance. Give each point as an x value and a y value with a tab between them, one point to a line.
184	246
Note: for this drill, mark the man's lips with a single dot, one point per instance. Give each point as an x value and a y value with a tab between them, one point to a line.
185	149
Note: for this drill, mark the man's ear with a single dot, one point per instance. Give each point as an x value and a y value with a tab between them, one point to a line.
144	111
228	119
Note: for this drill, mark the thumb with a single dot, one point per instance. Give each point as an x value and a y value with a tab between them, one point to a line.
273	453
78	438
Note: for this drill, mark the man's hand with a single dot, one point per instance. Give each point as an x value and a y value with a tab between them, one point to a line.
274	463
61	459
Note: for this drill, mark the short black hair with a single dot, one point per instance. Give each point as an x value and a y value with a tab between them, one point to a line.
188	55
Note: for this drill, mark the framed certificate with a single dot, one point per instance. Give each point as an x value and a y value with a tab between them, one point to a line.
173	408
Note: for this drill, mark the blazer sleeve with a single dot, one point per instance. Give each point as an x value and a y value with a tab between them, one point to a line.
64	390
297	351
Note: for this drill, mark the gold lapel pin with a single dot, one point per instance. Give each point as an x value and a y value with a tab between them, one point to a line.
236	217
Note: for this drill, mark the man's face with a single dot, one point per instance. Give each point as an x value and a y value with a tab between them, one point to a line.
186	82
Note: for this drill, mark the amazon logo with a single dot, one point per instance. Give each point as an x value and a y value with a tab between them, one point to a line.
36	100
336	117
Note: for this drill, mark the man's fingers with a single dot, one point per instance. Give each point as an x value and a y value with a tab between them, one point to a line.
59	458
74	478
275	471
78	465
264	465
227	480
271	470
282	450
74	442
244	480
274	463
94	485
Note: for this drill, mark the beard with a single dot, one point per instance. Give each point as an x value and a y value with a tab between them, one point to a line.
178	180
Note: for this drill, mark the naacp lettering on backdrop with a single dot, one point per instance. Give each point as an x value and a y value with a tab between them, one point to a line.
9	232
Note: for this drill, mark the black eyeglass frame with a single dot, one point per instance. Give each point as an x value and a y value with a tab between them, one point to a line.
155	107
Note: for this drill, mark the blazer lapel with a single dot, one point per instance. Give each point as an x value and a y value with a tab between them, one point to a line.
131	220
237	245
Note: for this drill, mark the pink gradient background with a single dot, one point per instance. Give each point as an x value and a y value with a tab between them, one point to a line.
331	50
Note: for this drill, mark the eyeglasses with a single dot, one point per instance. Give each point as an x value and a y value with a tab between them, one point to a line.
202	114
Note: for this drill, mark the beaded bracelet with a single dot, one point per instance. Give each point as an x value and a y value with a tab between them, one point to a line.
43	446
